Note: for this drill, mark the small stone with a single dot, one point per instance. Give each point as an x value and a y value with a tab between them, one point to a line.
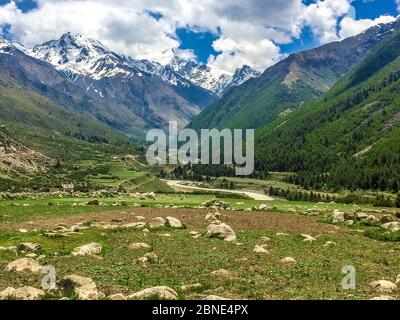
117	297
139	245
329	244
24	265
308	238
383	286
266	239
262	207
349	223
261	249
361	215
23	230
157	222
87	250
281	234
93	203
288	261
27	246
134	225
162	292
151	257
398	279
222	273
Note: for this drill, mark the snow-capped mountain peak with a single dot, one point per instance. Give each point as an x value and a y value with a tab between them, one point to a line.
78	55
244	74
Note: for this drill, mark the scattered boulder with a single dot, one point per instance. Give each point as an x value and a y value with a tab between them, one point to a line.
361	215
383	298
24	265
398	279
84	288
157	222
262	207
261	249
308	238
93	203
329	244
349	223
288	261
117	297
87	250
338	216
392	226
215	215
195	234
151	257
372	218
175	223
24	293
383	286
222	273
386	218
281	234
221	231
134	225
139	245
163	293
266	239
31	247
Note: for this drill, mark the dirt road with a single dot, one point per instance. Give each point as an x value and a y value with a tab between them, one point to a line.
253	195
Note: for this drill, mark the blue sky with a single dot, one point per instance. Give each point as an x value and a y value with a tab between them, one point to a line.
225	33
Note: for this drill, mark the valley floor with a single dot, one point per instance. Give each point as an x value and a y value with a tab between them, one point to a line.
181	257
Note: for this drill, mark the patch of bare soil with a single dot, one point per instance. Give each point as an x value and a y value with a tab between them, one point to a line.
195	219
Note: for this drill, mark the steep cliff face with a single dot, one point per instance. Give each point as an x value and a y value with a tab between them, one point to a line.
15	157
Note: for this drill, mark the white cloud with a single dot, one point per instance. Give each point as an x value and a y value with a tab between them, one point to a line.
250	31
350	27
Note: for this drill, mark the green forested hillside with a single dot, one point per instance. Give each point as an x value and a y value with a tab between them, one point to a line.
288	84
348	138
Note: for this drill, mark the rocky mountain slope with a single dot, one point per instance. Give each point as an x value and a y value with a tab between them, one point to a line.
286	85
15	157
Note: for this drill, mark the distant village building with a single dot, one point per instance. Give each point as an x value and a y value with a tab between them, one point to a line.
68	187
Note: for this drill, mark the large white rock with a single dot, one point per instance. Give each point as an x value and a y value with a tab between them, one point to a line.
392	226
221	231
84	288
175	223
383	286
24	265
163	293
87	250
24	293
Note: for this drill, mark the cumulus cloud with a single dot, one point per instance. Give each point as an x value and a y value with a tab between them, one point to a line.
249	32
350	27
